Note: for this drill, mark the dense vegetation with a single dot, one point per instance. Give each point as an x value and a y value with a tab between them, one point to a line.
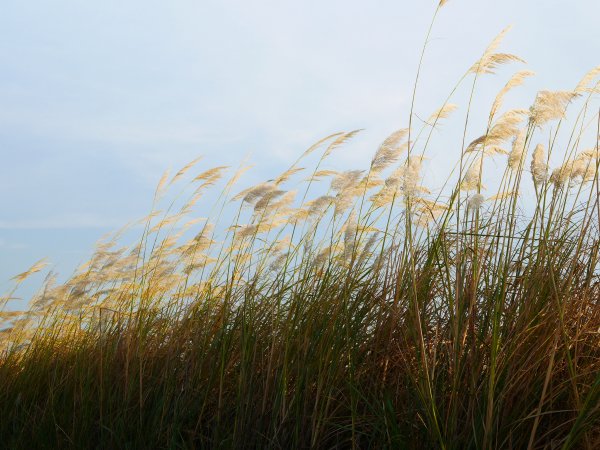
367	312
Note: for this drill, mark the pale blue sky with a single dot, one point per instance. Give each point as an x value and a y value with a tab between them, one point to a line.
98	98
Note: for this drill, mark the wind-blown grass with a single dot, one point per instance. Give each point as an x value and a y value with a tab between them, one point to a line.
369	313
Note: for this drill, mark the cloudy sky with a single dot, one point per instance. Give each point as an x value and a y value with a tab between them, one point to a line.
97	99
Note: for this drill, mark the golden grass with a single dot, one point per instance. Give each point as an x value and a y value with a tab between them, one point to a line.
366	312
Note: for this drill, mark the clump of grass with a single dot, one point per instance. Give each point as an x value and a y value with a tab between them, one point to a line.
367	312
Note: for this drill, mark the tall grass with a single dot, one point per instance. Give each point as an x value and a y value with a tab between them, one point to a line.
367	312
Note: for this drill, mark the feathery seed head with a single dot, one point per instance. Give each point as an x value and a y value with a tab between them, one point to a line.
346	180
561	174
584	84
389	151
441	113
475	201
539	165
516	80
503	195
183	171
287	174
550	105
472	178
340	141
411	176
518	149
33	269
491	60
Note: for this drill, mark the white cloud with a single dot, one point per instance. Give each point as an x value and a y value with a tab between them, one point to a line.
63	221
12	245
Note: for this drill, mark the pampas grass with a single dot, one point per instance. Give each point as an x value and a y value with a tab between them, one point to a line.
337	309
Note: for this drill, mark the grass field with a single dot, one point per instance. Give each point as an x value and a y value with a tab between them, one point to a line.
338	309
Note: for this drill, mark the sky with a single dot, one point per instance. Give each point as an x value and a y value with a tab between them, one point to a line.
97	99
